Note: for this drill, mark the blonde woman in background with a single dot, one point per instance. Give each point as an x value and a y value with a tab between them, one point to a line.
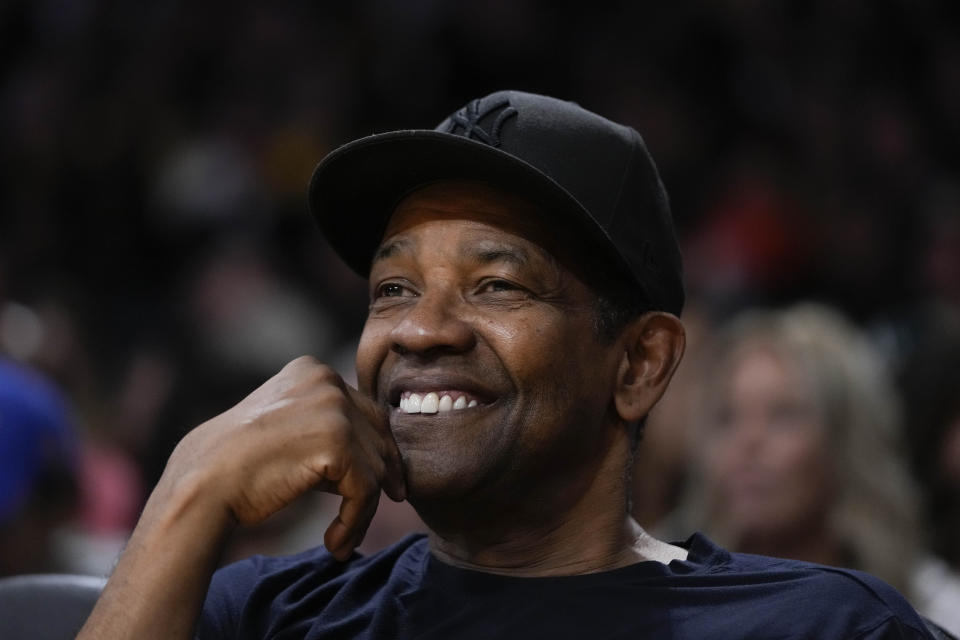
797	450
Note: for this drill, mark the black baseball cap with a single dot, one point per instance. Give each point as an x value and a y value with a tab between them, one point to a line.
585	170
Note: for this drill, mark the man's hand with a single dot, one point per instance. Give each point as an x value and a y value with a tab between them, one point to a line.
304	428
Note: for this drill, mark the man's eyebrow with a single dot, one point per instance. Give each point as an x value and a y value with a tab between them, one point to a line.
392	248
485	253
482	252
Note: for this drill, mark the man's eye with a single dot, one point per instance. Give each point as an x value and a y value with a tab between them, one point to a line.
390	290
492	286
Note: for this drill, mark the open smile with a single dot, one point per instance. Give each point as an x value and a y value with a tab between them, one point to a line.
441	401
429	393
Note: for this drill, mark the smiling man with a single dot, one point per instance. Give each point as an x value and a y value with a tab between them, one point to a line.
525	288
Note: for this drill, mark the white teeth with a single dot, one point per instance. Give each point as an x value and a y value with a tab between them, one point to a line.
413	403
446	404
430	402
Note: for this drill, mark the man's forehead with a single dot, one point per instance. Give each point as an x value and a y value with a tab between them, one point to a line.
525	228
467	200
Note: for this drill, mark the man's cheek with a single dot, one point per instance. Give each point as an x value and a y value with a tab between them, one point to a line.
368	365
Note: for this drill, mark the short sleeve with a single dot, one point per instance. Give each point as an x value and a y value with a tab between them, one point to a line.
229	590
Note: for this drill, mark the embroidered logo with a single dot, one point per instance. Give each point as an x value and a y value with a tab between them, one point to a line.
469	119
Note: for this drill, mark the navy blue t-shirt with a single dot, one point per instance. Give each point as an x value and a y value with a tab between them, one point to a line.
404	592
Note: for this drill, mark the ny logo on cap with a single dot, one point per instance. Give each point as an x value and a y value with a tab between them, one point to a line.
469	118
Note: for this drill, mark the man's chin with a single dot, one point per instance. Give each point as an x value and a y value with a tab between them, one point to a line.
442	491
430	482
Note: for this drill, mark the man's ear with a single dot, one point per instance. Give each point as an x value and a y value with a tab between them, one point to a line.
653	345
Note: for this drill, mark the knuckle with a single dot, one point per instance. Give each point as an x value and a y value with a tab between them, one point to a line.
324	374
303	362
329	465
333	403
311	370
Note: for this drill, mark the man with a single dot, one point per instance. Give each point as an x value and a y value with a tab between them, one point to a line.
525	286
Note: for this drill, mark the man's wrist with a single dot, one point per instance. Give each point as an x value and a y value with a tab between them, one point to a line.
188	502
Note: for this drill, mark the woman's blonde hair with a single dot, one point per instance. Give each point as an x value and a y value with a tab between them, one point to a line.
873	514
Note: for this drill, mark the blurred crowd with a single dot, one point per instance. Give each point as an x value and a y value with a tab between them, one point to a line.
157	262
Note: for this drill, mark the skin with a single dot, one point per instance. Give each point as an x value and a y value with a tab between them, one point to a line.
531	482
767	459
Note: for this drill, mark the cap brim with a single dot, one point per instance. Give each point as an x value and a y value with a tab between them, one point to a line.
355	188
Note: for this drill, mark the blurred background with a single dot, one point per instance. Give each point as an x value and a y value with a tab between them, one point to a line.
157	261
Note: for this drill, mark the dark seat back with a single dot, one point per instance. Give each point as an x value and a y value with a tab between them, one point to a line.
937	631
46	606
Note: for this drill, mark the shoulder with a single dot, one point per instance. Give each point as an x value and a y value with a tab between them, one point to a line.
249	593
819	581
822	601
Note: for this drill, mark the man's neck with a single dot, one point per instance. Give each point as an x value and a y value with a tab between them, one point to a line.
593	533
560	553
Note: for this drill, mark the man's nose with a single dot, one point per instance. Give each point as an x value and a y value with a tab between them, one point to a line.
435	323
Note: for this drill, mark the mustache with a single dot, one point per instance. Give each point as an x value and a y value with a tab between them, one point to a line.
479	380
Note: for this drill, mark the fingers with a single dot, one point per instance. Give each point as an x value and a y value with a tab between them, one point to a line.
394	483
375	464
373	412
306	428
361	496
